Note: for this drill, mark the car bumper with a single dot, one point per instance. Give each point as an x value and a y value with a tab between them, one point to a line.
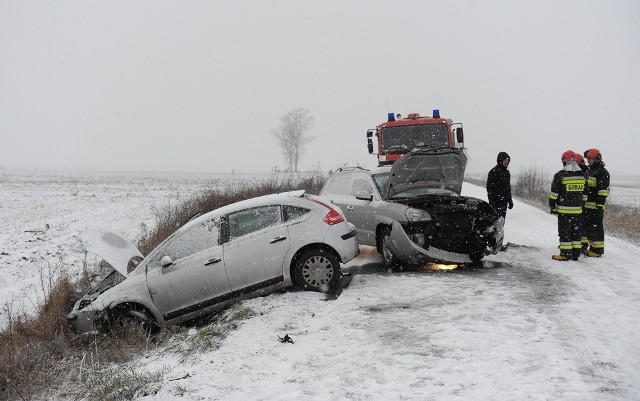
344	240
407	250
82	321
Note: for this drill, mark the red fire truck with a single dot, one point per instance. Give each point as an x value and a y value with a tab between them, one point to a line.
398	135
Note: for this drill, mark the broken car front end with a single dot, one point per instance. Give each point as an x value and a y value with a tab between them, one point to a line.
451	229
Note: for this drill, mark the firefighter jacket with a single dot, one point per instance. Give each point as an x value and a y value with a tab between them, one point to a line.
566	190
596	188
499	185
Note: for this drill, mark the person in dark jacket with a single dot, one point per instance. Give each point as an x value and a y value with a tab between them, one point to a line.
499	185
596	192
565	200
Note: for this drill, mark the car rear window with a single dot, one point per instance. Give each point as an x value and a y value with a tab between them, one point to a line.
339	185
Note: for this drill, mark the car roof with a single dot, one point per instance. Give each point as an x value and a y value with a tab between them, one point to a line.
278	198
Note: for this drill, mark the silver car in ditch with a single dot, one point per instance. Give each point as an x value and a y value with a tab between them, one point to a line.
242	250
413	212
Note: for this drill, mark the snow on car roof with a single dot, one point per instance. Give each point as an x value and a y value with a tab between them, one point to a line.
245	204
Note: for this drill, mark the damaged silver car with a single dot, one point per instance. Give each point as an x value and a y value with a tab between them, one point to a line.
412	211
243	250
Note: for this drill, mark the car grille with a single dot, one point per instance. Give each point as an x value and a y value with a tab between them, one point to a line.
454	224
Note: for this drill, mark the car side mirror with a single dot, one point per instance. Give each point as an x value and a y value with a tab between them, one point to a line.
370	141
459	135
166	261
364	195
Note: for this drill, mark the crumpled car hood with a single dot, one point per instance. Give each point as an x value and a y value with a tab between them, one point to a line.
437	168
114	248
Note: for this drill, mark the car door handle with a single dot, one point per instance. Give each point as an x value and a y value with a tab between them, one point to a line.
212	261
277	239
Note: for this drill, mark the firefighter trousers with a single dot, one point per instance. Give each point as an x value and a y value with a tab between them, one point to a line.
569	233
594	229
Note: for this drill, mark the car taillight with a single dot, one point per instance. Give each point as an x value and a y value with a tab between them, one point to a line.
333	217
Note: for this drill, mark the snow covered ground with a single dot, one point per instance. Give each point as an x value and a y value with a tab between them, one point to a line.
518	325
42	214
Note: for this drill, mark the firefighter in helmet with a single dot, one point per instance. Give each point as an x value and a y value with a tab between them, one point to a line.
583	230
565	200
596	192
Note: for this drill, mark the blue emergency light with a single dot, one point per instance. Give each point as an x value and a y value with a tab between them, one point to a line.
436	113
391	116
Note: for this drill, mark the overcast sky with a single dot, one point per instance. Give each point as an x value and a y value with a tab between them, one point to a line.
200	85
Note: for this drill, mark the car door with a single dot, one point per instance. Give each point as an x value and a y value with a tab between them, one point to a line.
361	211
257	244
196	278
340	191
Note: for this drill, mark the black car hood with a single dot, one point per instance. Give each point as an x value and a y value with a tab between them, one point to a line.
435	168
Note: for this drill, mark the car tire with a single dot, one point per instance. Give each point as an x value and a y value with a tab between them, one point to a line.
390	260
131	318
317	270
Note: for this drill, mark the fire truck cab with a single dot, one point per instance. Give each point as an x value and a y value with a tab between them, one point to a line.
398	135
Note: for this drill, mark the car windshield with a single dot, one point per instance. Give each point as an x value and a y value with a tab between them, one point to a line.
404	138
417	192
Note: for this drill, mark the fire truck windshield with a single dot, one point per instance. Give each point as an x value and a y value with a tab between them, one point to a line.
404	138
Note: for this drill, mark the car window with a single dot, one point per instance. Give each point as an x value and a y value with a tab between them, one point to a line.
251	220
361	183
193	240
294	212
339	184
381	181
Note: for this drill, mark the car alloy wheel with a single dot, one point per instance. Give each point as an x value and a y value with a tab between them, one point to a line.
317	270
390	260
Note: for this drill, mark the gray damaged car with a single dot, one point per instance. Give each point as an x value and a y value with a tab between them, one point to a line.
246	249
412	211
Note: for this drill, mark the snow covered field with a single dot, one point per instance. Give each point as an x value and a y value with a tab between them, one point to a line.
42	214
515	326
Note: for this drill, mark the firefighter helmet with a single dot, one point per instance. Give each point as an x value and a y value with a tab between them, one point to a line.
568	155
593	154
580	159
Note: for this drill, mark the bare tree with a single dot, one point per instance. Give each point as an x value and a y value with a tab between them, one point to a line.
292	136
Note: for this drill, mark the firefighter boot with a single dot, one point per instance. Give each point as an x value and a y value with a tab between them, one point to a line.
591	254
560	257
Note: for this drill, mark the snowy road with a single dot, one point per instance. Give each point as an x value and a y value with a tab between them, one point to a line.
516	326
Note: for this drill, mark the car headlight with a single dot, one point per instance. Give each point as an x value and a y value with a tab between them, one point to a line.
84	303
415	215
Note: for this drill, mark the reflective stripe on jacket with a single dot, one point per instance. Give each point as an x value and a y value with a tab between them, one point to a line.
567	189
596	189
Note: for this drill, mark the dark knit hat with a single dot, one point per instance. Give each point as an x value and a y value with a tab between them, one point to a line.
502	156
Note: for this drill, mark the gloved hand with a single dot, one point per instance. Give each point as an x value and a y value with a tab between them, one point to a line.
553	211
510	204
